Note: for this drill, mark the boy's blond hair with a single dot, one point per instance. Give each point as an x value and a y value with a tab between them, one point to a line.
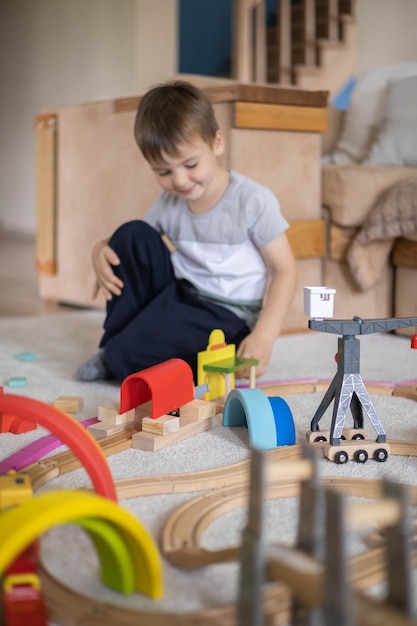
169	115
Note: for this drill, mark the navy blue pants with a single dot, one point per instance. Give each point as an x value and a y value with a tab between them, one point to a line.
157	317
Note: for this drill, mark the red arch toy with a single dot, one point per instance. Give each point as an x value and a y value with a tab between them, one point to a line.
169	385
71	433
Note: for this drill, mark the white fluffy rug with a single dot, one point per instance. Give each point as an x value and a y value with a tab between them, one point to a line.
63	341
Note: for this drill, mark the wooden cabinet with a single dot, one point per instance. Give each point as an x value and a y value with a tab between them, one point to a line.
91	177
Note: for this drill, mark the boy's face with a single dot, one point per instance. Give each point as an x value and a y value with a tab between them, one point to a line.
194	174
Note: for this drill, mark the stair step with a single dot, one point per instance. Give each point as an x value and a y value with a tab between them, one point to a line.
323	52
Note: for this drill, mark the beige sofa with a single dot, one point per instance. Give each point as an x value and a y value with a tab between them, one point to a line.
368	151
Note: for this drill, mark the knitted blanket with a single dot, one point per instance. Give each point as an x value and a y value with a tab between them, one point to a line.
394	214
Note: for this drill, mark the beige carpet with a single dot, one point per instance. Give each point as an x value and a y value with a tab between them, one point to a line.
62	342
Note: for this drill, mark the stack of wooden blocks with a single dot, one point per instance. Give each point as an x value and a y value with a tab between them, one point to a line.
193	417
156	433
111	421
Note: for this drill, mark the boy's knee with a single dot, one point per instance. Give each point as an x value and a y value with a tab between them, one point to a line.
135	230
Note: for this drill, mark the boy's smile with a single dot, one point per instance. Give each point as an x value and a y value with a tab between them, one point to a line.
194	173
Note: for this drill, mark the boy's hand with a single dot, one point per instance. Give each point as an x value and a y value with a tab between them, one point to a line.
106	280
255	346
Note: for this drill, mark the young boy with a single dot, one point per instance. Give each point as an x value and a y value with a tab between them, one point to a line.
229	266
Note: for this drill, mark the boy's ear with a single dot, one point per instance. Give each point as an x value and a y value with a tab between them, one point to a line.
219	143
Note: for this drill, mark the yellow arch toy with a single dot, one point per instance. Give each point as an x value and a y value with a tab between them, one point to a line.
22	524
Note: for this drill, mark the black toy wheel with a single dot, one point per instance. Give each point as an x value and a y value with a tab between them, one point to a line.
319	438
361	456
341	457
357	436
380	455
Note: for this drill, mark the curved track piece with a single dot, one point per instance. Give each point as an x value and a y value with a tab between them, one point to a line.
251	408
284	422
69	607
70	432
21	525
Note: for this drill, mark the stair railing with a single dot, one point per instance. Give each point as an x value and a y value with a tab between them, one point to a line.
253	62
249	41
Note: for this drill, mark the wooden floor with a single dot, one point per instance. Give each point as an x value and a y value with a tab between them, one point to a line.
18	281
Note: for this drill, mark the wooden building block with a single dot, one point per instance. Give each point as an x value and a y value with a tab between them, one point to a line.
151	442
69	404
99	430
196	410
107	413
110	415
161	425
108	426
144	409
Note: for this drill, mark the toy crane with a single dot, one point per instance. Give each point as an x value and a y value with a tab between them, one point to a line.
347	388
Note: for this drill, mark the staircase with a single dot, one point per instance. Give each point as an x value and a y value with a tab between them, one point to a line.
307	43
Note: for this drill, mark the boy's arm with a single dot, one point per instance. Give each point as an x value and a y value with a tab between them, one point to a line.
279	293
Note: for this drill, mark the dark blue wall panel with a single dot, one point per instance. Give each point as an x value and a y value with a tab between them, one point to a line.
205	35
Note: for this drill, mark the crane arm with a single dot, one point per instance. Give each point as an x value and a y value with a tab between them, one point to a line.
359	326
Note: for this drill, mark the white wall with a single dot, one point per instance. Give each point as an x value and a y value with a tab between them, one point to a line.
386	32
63	52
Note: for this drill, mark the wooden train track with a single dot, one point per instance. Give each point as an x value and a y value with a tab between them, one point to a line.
182	533
71	608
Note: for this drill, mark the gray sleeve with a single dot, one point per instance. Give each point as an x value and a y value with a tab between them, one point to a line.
267	221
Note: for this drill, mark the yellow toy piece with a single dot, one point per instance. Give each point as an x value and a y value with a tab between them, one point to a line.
14	489
217	350
21	525
16	580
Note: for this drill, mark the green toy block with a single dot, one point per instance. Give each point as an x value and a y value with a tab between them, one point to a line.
26	356
17	381
231	365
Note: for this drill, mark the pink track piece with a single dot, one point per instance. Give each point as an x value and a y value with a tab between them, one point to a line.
35	451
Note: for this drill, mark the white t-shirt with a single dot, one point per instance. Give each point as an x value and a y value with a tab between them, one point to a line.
218	251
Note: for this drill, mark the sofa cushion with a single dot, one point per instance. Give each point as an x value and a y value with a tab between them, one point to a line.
396	141
365	112
350	191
